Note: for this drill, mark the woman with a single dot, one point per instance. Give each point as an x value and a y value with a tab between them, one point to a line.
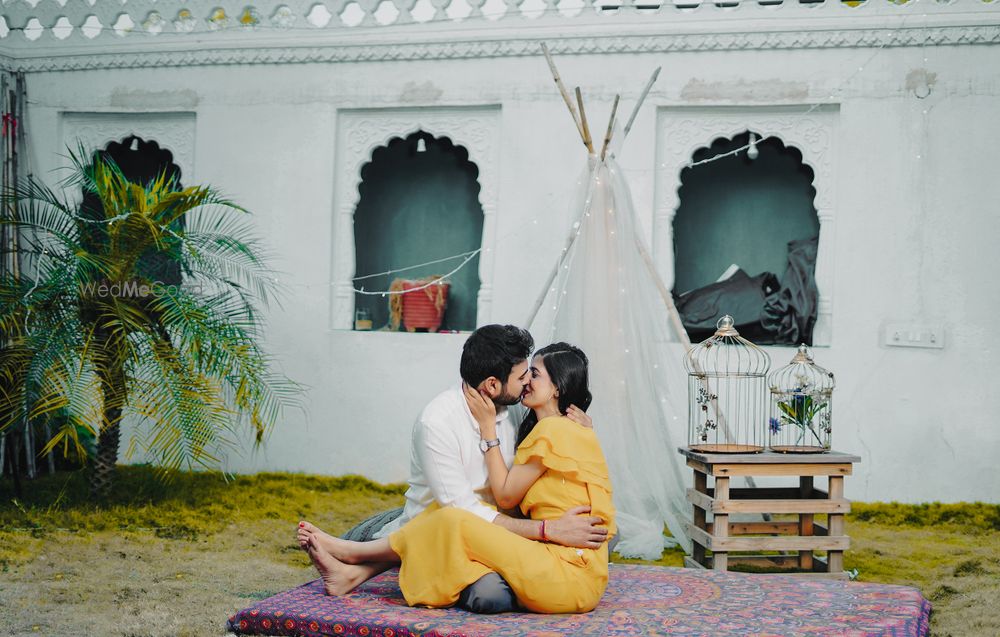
558	466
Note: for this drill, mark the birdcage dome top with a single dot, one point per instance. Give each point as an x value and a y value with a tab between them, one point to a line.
801	375
726	353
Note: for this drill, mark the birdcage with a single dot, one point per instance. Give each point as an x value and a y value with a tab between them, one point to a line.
726	392
801	406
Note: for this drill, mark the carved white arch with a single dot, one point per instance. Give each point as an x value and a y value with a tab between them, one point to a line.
173	131
812	130
477	129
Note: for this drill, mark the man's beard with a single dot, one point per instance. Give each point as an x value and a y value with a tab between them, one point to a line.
506	399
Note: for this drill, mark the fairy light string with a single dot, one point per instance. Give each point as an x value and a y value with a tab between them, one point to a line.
439	281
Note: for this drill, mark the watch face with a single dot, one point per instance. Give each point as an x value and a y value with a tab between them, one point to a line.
482	446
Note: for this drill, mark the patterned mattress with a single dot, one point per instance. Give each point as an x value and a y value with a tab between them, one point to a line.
641	600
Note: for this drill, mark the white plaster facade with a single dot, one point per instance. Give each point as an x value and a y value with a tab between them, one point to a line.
903	143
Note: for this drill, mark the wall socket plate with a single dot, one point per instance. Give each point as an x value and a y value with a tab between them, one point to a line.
927	335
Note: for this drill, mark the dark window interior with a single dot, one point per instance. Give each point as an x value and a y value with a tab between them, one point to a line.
141	162
418	206
757	214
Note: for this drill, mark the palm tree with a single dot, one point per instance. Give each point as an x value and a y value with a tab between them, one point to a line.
93	338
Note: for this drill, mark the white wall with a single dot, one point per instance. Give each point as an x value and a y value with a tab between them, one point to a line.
914	239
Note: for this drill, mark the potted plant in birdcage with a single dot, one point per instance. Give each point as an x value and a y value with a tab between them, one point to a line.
801	406
418	303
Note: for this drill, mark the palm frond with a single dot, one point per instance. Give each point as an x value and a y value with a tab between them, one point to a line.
39	209
184	359
186	407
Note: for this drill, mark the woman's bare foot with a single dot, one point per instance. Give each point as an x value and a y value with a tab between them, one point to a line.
335	546
338	578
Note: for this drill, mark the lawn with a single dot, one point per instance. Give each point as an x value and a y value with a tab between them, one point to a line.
177	558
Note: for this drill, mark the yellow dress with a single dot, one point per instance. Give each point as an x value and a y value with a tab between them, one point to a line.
446	549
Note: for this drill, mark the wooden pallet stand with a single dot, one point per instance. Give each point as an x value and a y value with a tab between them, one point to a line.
786	546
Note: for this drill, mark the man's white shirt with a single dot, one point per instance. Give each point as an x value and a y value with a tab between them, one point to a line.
446	463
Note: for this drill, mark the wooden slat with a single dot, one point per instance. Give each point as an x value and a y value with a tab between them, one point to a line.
781	564
720	526
781	506
756	528
836	522
698	536
779	543
772	543
691	563
701	501
706	502
788	562
780	470
700	486
698	466
830	457
775	493
805	522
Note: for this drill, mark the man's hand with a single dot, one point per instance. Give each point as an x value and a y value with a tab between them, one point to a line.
483	410
576	529
579	416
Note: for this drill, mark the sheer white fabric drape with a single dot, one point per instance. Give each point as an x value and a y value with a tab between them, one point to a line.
605	300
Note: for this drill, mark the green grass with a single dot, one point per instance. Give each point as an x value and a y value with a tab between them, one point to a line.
209	545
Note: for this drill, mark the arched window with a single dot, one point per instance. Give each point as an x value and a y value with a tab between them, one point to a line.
753	211
419	203
141	161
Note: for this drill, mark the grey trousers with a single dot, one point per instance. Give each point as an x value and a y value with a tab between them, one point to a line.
488	594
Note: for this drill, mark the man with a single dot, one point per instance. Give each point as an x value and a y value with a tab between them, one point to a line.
447	458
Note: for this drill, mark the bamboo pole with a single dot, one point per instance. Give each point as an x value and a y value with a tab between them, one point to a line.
583	121
611	125
4	241
562	91
548	282
678	325
642	98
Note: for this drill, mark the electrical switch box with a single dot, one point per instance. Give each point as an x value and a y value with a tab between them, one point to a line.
914	335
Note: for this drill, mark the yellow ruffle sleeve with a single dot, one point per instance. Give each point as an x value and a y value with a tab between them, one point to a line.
574	451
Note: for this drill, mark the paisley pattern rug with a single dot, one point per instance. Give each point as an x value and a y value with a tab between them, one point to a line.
640	600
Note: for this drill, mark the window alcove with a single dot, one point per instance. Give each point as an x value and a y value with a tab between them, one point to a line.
757	214
141	161
419	202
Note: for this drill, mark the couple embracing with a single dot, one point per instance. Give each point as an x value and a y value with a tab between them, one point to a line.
468	458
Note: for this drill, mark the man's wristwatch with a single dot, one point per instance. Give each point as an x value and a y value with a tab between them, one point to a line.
486	445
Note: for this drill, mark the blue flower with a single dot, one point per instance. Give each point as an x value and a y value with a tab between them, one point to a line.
775	425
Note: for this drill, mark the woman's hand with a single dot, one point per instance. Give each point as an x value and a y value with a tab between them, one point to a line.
579	416
483	410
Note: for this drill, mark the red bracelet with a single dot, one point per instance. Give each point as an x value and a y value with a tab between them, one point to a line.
543	531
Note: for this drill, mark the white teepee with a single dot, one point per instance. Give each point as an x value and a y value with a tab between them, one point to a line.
605	296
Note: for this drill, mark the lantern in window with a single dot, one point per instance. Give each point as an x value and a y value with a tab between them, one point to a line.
801	406
726	392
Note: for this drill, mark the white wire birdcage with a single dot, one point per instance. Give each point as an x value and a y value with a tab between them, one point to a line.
801	418
726	392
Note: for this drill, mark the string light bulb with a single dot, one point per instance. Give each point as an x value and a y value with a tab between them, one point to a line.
752	152
421	145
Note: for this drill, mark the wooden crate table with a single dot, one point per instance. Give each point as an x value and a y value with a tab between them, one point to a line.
794	541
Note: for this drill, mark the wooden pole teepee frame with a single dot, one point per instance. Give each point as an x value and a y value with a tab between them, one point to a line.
672	314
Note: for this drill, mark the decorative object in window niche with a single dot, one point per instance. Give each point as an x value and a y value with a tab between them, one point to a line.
801	406
419	304
726	392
